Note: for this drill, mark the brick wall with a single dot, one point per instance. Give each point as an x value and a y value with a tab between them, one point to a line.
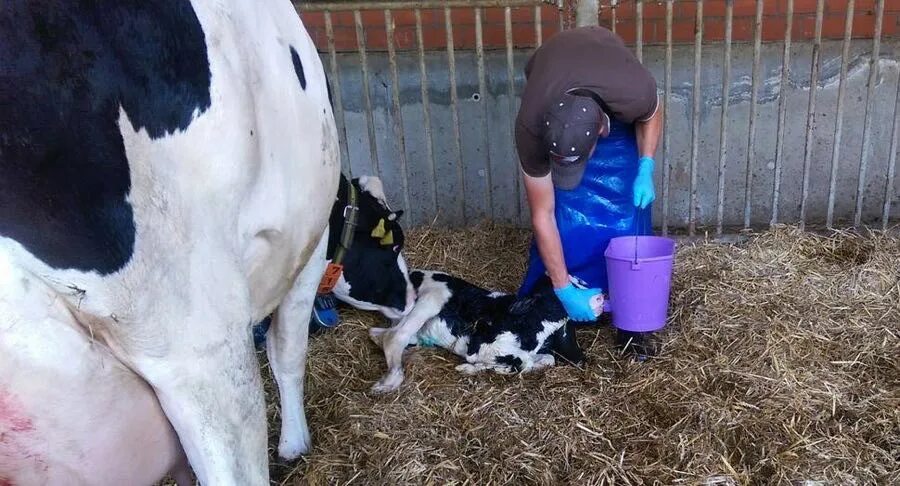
774	23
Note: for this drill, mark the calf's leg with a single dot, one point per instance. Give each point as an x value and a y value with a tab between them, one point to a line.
286	347
395	340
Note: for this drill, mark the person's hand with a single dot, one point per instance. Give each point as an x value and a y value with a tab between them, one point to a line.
577	302
643	183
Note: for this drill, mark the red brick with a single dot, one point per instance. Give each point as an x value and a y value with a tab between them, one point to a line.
713	30
743	29
312	19
683	31
403	17
654	10
773	28
806	6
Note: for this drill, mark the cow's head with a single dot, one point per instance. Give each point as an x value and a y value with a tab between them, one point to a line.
375	275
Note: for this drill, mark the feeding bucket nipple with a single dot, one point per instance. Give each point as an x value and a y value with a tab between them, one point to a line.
640	277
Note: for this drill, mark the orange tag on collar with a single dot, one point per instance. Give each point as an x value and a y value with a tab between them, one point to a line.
330	279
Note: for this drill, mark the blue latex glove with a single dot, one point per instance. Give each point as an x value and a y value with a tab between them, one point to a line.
577	302
643	183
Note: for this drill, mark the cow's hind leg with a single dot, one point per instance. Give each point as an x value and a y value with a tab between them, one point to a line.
286	347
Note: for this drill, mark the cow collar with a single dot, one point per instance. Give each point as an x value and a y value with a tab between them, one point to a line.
334	270
351	216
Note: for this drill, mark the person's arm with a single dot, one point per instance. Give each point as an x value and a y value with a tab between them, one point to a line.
648	133
542	202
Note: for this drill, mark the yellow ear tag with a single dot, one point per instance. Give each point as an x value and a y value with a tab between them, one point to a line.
388	239
379	231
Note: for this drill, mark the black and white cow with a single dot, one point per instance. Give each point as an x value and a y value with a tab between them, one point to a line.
167	170
375	275
490	330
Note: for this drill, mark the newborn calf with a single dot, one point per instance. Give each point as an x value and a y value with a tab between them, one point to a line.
491	330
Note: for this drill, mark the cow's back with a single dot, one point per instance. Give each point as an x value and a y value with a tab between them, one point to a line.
141	141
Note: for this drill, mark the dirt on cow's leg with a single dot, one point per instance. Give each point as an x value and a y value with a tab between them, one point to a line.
286	347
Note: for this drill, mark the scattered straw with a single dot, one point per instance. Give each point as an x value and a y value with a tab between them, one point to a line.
781	364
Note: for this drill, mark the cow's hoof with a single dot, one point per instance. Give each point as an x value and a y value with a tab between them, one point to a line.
299	444
390	383
292	450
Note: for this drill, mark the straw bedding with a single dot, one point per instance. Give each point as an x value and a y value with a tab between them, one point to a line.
781	364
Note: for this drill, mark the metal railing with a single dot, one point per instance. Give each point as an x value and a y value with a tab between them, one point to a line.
417	7
610	8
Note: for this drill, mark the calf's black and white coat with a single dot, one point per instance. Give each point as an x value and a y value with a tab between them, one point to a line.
490	330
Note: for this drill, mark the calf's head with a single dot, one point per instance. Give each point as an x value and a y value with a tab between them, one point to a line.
375	275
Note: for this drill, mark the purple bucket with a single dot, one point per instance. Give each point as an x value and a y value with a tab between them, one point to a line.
640	277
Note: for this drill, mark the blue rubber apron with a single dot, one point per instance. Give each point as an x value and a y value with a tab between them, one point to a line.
599	209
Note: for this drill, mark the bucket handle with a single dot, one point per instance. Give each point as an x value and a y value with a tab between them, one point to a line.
638	212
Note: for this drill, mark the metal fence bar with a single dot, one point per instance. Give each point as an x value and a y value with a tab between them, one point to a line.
338	97
426	109
867	124
367	98
425	4
639	29
892	160
839	117
485	123
511	92
560	6
667	164
397	115
454	110
782	111
538	27
723	132
754	98
695	119
613	4
811	110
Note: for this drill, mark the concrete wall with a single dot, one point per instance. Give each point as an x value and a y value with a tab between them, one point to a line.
464	197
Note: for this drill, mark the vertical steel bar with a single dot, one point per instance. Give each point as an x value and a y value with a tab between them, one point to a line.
560	7
695	119
538	27
426	109
454	111
397	115
337	96
613	4
754	98
486	113
511	93
811	111
867	124
723	132
667	161
892	160
782	111
367	98
639	29
839	117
